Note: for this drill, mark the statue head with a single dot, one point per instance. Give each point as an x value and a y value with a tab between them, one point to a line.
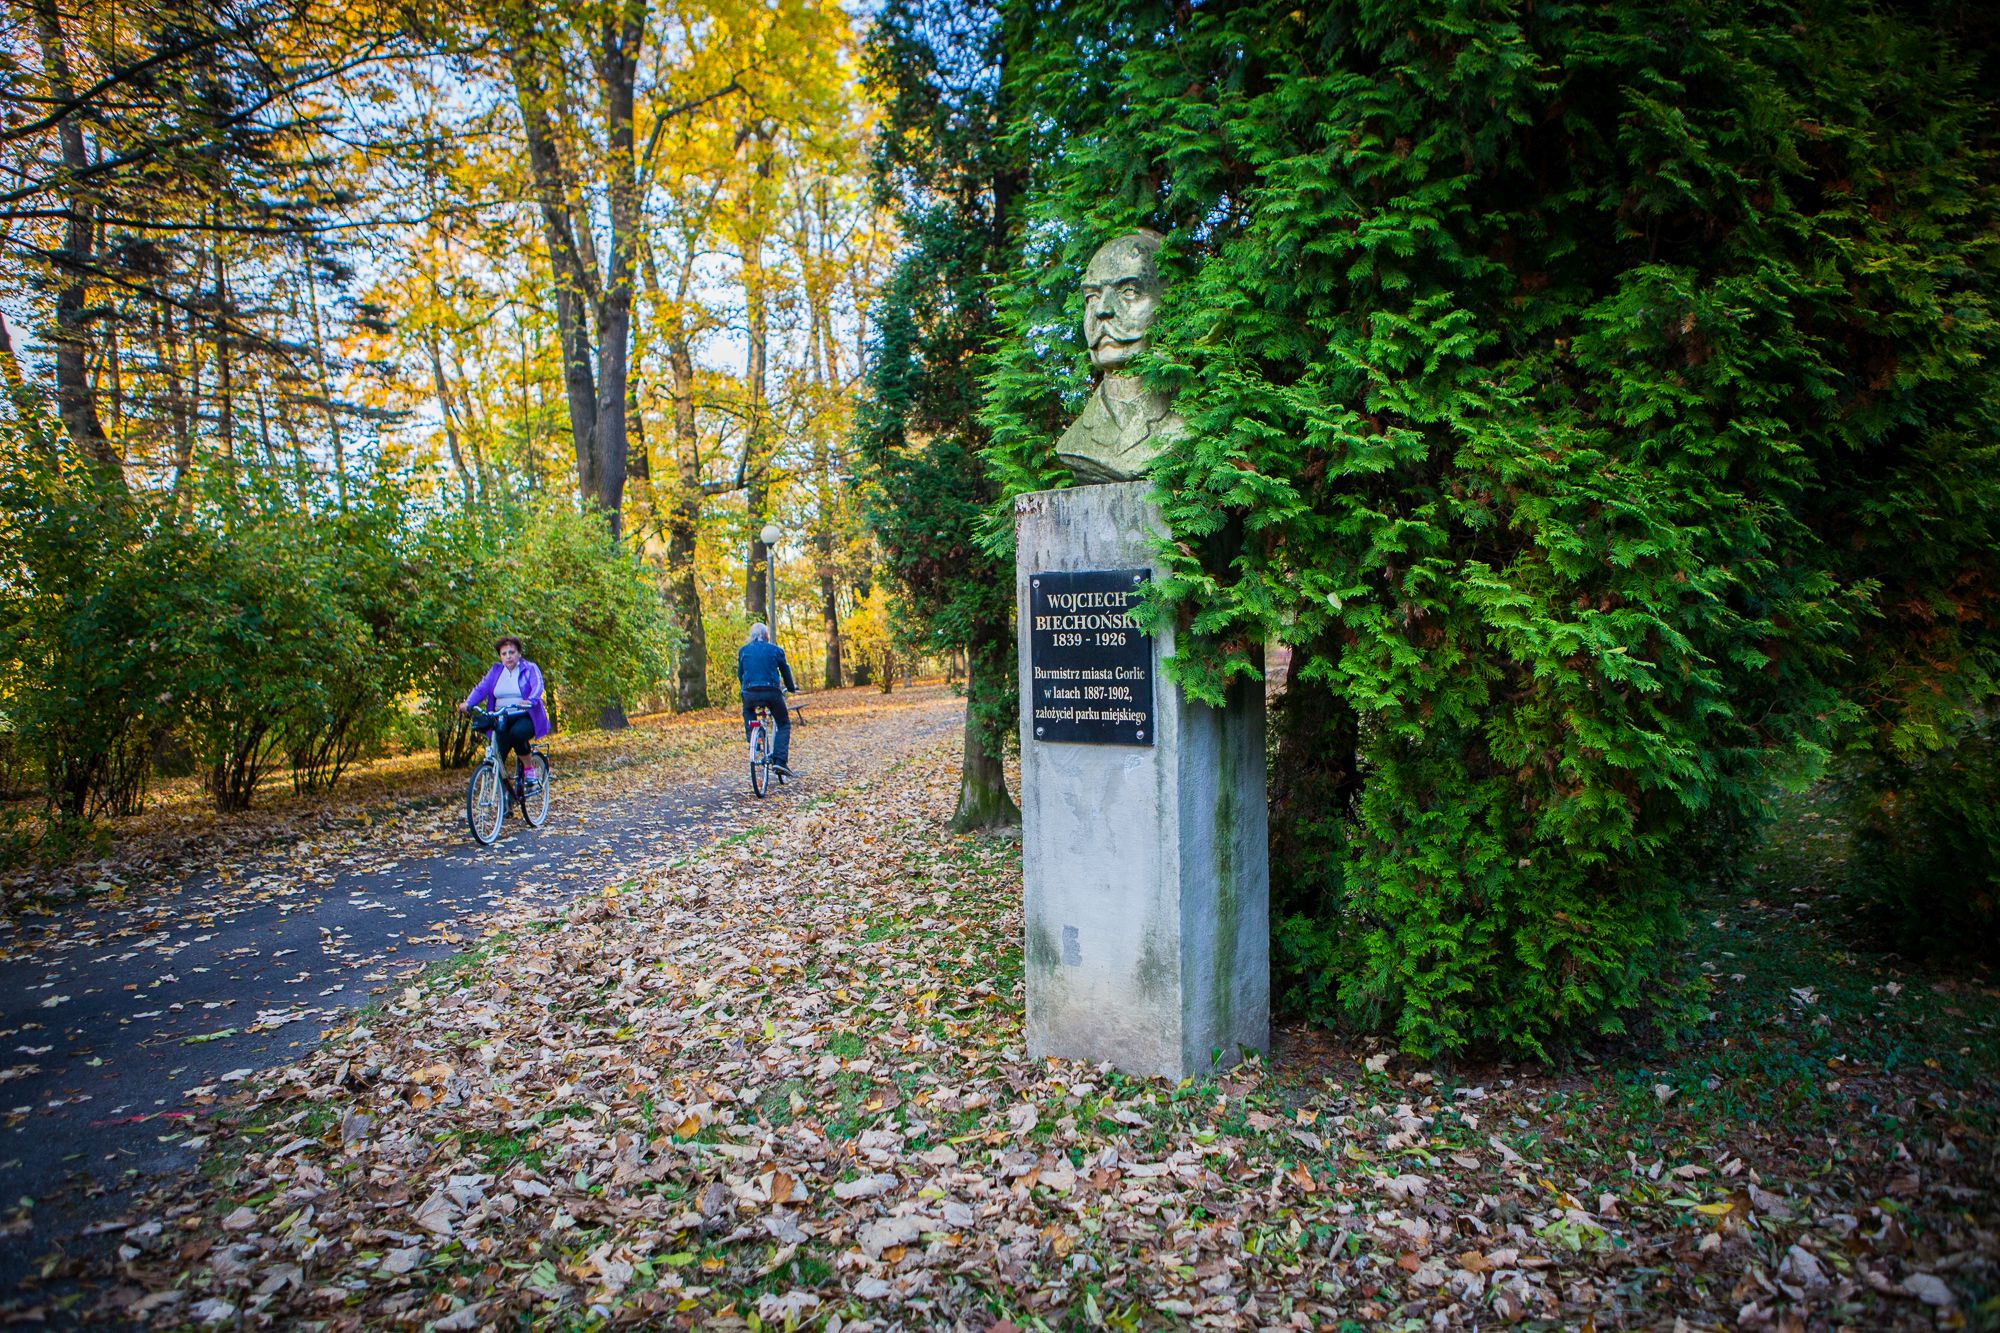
1121	293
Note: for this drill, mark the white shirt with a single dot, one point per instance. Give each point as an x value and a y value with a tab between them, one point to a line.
507	689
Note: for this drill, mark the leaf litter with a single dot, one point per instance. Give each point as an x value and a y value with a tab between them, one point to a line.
161	992
781	1083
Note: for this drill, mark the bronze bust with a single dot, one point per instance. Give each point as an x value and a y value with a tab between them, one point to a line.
1125	425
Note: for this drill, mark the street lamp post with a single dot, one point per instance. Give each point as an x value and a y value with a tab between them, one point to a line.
771	533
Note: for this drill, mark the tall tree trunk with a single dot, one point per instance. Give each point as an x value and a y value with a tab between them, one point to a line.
826	370
683	526
225	383
183	396
530	410
823	539
639	463
757	476
448	413
983	801
114	364
617	70
571	285
757	448
829	602
326	388
76	403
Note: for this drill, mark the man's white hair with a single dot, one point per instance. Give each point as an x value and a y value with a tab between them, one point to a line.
760	633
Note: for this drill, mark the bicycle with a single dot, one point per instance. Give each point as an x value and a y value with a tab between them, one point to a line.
761	740
487	791
760	751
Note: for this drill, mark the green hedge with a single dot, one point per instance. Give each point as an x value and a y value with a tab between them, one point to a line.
1600	398
257	630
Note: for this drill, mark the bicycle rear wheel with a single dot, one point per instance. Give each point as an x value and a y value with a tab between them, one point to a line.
485	803
535	789
760	760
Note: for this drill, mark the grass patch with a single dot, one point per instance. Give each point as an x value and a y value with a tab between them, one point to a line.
440	971
498	1151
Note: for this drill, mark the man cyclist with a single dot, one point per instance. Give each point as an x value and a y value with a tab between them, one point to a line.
765	678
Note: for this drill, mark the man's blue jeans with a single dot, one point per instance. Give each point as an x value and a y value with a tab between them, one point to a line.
773	699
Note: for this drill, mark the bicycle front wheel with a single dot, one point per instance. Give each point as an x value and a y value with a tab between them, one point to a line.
760	761
485	803
535	790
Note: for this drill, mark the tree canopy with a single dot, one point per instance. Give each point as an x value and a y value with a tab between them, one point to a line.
332	294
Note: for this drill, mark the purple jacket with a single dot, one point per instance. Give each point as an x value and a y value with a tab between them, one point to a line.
531	692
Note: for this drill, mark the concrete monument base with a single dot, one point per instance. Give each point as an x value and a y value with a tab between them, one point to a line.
1148	939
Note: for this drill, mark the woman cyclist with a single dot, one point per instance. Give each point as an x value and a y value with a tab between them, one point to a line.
516	683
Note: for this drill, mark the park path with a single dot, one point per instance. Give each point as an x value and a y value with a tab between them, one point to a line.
124	1016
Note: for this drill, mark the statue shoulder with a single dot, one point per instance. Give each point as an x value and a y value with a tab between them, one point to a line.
1099	447
1093	423
1090	442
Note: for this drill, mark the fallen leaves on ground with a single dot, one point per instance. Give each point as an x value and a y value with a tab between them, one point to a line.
781	1084
180	879
178	854
122	1009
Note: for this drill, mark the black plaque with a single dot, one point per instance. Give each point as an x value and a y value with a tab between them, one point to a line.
1090	669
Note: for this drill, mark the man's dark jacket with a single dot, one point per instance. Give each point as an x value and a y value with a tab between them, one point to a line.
762	664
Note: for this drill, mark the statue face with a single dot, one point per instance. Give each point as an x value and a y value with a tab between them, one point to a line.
1121	293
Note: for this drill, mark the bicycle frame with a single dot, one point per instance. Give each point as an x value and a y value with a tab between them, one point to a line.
761	734
506	793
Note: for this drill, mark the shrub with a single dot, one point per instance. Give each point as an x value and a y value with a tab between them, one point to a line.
1926	854
592	612
255	632
1600	398
587	610
85	686
249	627
365	653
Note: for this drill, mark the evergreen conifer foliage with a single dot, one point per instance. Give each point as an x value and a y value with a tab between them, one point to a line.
1600	398
942	165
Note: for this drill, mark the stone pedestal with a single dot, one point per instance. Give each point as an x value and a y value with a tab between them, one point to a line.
1148	937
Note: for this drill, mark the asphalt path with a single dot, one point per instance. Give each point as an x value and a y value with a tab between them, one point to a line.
120	1026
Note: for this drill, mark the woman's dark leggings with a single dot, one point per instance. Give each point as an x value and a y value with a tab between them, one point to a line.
517	733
